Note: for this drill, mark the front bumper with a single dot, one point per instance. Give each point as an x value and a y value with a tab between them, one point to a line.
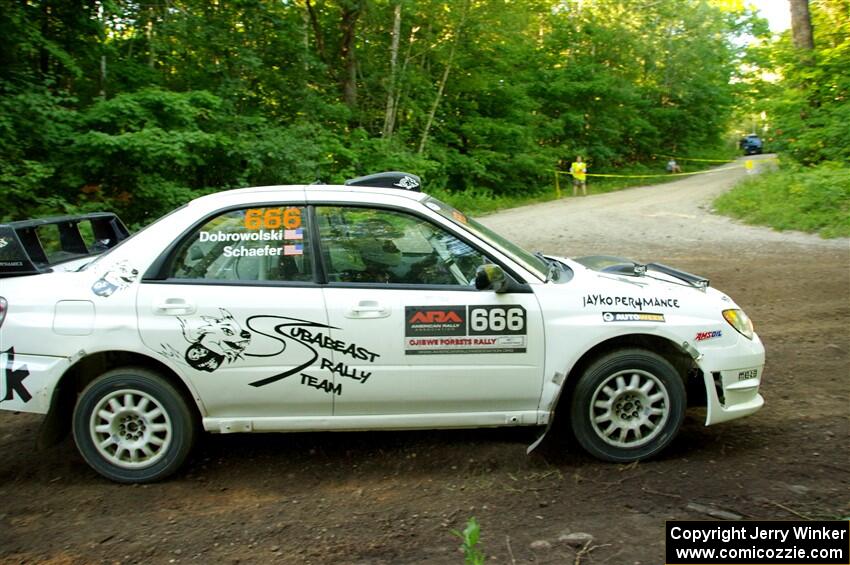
732	377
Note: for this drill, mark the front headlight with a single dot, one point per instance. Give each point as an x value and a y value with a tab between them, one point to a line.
740	321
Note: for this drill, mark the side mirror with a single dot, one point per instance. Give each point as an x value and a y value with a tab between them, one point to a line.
492	277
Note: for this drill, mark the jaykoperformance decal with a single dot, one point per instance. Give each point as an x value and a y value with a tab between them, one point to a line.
434	330
13	379
117	277
214	341
631	302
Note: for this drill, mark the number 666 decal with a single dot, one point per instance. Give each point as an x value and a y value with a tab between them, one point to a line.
496	320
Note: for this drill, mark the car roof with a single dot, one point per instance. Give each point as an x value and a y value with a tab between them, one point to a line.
301	191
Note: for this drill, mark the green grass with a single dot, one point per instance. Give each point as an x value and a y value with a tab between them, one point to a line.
481	201
809	199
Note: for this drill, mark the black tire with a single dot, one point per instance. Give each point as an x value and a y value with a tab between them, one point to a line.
601	410
128	440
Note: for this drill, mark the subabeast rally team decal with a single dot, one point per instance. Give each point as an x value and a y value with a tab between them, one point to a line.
433	330
215	340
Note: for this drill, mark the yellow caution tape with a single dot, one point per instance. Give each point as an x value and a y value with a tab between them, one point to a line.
654	175
697	159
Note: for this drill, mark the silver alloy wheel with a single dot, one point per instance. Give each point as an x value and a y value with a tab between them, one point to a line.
629	408
130	429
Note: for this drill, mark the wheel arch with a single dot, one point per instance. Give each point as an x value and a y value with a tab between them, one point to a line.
680	358
57	423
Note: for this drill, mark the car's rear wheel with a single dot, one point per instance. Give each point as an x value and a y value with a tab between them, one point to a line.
628	405
132	426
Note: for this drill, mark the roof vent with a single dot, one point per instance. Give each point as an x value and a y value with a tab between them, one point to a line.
390	179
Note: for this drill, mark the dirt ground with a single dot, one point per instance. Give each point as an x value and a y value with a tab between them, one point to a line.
396	497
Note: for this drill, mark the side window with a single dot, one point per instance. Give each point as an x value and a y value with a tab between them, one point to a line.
362	245
252	244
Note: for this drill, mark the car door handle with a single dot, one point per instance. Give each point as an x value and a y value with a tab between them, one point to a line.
174	306
368	309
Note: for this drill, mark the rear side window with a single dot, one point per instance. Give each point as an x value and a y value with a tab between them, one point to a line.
251	244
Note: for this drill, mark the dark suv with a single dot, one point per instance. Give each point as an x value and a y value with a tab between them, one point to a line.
752	145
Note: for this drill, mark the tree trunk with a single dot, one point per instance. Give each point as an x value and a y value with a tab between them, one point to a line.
101	17
437	99
389	117
317	31
457	33
350	14
801	25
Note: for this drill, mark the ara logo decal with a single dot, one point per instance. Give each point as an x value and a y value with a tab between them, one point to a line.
3	242
118	277
430	321
435	317
13	382
407	182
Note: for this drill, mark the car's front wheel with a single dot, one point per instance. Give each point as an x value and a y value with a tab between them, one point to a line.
132	426
628	405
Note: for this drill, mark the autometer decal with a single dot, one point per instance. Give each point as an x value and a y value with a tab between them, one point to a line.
631	317
434	330
13	378
118	277
300	344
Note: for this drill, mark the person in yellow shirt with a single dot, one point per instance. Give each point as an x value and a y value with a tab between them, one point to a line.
579	172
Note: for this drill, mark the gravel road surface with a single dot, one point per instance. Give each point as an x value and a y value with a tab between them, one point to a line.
390	498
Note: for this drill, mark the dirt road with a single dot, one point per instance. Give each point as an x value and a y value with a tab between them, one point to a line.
395	497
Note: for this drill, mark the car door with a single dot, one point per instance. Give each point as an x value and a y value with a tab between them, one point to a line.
231	295
410	332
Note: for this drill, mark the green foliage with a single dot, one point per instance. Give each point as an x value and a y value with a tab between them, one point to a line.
138	107
807	113
811	199
470	535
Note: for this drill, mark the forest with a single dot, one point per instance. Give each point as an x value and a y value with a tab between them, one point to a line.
139	106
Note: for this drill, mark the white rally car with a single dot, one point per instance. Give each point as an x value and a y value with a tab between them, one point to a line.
359	307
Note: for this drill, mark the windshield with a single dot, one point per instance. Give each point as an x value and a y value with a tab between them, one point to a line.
532	262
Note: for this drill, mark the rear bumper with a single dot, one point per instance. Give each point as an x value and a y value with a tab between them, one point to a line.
27	382
732	377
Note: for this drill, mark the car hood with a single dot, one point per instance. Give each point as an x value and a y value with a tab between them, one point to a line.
610	284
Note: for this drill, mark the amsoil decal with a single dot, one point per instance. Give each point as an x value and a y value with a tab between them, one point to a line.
702	336
631	317
13	378
430	330
631	302
216	340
